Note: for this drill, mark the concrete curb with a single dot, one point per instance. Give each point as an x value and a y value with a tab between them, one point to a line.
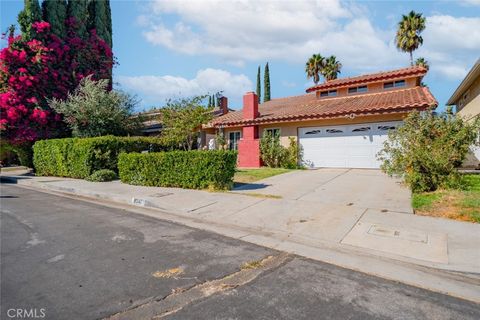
458	284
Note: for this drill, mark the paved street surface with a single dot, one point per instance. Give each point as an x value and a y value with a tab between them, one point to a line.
79	260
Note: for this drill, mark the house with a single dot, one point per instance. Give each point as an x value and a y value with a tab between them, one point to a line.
153	126
466	98
340	123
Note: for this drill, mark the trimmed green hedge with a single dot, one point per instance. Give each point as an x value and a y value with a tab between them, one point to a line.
184	169
80	157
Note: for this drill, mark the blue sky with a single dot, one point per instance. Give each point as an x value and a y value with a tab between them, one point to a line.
168	49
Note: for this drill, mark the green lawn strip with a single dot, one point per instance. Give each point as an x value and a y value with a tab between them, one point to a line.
252	175
471	182
465	199
424	201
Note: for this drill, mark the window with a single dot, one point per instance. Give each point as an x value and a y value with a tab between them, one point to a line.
386	128
330	93
334	131
394	84
273	131
358	89
233	138
362	129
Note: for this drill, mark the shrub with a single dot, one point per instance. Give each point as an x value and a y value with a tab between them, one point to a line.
184	169
275	155
102	175
427	149
92	110
22	151
80	157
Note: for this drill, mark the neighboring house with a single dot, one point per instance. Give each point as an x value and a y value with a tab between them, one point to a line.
467	100
340	123
152	125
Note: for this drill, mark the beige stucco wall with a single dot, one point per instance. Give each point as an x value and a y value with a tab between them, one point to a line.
470	107
290	129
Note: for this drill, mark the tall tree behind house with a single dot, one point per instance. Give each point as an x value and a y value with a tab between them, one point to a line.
55	13
266	83
259	86
30	14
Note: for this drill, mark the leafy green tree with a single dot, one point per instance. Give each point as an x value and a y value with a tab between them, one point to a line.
209	101
266	83
421	62
331	68
427	149
78	9
91	110
408	37
314	66
30	14
259	89
272	152
182	119
100	19
55	13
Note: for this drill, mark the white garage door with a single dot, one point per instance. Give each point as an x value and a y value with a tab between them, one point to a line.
346	146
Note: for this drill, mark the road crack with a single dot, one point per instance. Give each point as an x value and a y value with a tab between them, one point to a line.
178	299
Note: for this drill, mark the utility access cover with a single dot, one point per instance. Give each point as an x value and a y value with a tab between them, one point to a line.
409	235
399	241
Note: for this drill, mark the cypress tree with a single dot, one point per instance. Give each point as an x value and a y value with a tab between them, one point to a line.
99	18
31	13
78	9
209	101
266	83
55	13
259	90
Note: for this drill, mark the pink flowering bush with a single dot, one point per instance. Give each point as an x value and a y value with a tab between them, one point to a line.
45	67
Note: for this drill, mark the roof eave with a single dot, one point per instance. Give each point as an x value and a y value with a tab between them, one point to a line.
323	117
465	84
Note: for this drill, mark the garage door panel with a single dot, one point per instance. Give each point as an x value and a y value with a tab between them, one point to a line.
354	146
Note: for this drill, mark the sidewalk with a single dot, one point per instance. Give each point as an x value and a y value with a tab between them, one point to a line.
436	254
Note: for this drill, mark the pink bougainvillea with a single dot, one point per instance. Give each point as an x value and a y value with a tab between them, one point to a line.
45	67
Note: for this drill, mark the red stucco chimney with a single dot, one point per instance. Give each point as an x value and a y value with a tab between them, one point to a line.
224	105
250	106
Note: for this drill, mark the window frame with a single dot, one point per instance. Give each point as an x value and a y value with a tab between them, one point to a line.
328	93
266	130
395	84
233	143
358	89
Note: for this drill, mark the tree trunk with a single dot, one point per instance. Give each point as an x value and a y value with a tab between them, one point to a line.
411	58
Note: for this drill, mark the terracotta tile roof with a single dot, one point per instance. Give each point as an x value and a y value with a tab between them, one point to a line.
308	107
372	77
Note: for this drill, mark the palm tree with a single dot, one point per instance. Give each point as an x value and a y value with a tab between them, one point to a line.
408	36
314	67
331	68
421	62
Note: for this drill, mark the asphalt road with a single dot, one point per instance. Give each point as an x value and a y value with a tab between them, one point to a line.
70	259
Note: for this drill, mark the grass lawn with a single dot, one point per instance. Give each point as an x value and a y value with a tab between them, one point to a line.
251	175
463	204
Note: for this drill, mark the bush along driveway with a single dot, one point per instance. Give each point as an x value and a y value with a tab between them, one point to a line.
459	204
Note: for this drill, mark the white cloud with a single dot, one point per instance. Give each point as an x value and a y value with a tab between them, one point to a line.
451	44
157	89
471	2
270	30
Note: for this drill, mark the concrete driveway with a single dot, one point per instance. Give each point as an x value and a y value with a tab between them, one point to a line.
364	188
